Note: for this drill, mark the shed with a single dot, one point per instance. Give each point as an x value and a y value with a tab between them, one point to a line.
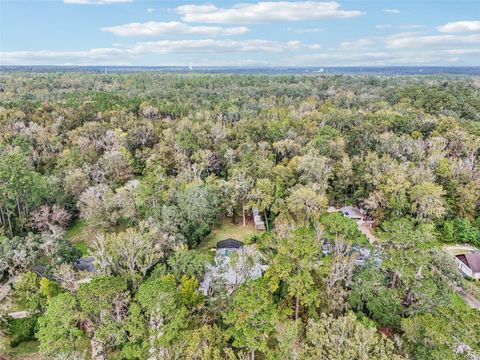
229	244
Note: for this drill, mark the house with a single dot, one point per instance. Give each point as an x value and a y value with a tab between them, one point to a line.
363	254
353	213
233	264
469	264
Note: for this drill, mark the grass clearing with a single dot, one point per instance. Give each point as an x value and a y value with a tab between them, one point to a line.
226	230
78	235
76	232
23	351
82	246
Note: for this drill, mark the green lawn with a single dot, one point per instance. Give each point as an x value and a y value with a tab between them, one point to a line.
75	231
82	246
224	231
78	235
22	350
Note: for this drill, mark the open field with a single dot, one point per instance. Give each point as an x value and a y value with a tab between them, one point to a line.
226	230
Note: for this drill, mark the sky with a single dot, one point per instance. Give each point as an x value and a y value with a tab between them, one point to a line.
240	33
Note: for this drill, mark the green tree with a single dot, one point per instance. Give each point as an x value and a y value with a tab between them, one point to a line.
304	204
58	329
166	313
337	226
251	316
294	265
104	303
427	201
345	338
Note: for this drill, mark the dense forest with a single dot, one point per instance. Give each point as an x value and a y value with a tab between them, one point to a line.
115	190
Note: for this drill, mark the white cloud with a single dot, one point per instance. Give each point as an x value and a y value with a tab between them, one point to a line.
462	51
352	57
217	46
45	57
150	10
409	40
392	11
460	26
171	28
359	43
96	2
383	26
305	30
125	55
263	12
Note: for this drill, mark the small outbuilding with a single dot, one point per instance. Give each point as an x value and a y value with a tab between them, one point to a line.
469	264
259	223
229	244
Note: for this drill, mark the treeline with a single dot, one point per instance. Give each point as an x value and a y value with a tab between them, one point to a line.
152	162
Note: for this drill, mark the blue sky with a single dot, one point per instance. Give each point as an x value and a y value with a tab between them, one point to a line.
239	33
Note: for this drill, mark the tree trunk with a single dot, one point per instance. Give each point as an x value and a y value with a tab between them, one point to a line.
9	224
252	354
2	221
243	212
98	350
266	219
297	307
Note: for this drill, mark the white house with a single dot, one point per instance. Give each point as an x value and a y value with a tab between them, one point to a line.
469	264
234	263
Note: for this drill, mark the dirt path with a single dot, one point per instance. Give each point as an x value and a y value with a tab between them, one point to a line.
454	250
367	231
469	299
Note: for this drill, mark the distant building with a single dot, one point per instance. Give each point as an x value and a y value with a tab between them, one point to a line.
469	264
234	263
353	213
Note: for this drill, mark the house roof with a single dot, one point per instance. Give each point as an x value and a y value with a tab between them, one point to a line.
229	244
84	264
351	212
223	271
472	260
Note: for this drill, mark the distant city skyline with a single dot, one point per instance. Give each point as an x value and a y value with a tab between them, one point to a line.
239	33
